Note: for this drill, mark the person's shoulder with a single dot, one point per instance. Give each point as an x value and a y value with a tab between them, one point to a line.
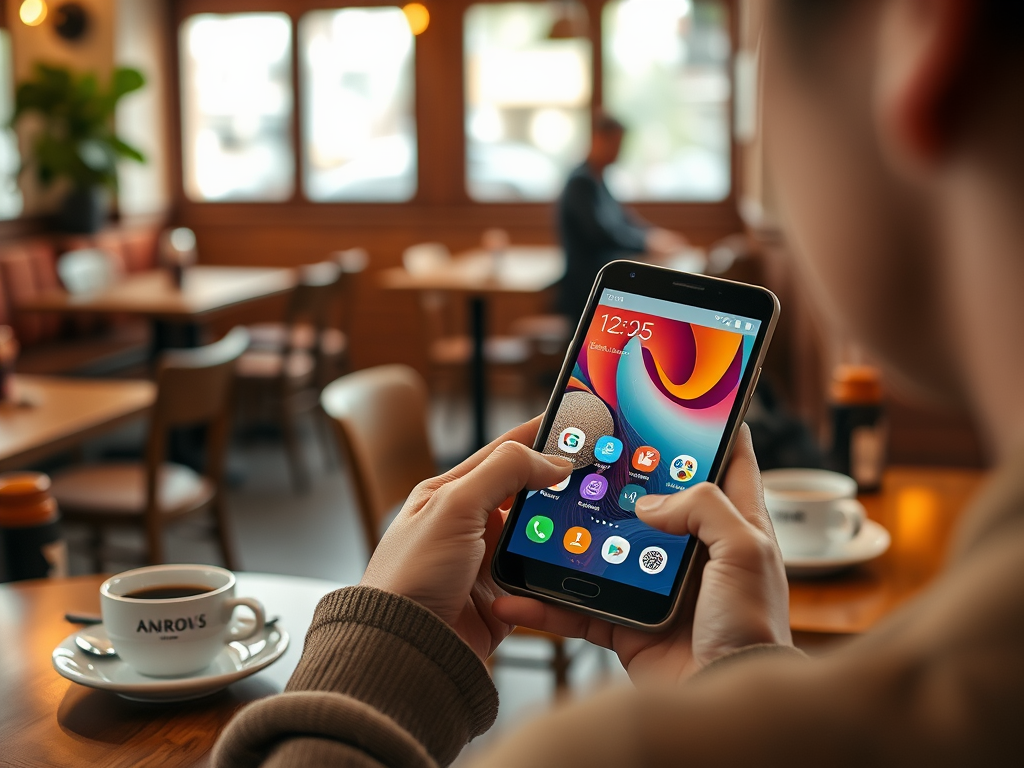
581	178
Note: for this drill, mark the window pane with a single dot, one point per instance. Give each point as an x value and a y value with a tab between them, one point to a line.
236	99
358	86
666	75
10	160
528	89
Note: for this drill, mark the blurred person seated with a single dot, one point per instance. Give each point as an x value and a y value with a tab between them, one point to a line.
893	130
595	228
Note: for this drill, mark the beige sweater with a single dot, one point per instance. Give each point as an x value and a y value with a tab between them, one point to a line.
383	682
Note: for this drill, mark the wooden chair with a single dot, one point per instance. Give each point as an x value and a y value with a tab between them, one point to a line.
450	351
193	389
380	419
288	376
334	341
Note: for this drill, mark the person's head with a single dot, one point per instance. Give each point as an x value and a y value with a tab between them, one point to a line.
894	128
606	141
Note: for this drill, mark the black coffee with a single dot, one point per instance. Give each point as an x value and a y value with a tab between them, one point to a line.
168	592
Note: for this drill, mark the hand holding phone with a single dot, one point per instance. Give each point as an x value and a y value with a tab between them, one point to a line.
437	551
649	401
743	598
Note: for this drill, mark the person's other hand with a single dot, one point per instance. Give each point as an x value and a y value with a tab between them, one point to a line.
438	550
743	598
663	242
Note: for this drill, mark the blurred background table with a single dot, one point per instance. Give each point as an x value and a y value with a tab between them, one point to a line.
50	414
176	314
920	507
479	276
55	723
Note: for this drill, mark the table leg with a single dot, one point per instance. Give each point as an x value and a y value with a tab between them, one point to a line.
478	369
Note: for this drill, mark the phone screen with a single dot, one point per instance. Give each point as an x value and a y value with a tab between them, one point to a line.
645	411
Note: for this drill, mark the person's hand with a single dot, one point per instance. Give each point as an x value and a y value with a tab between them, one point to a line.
438	550
663	242
743	598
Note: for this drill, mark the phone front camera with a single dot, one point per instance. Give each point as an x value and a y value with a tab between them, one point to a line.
632	274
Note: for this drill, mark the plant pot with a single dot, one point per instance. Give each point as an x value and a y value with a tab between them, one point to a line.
83	210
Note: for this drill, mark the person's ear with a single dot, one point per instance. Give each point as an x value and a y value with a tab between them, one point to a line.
923	56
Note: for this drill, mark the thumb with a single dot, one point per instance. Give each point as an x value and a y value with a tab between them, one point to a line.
742	483
509	468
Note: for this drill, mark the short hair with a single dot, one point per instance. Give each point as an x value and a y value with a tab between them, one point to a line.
606	125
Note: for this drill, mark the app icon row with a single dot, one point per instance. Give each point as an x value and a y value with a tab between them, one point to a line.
608	449
614	550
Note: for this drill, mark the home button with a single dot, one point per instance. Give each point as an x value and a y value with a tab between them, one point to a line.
581	587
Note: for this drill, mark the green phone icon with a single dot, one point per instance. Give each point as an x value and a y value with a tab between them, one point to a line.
539	529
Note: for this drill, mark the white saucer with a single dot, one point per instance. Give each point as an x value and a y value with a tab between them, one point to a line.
237	660
872	541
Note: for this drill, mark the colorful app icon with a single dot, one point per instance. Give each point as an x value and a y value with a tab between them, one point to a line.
683	468
539	529
615	550
653	560
629	496
607	449
645	459
572	440
594	487
576	540
560	486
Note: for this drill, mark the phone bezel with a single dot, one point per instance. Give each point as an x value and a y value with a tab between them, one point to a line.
618	602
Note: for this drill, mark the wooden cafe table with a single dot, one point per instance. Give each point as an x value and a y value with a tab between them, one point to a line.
479	276
49	414
920	507
206	291
48	721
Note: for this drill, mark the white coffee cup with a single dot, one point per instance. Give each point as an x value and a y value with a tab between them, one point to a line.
812	510
174	636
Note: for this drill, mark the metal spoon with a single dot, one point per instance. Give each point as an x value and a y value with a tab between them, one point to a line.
96	643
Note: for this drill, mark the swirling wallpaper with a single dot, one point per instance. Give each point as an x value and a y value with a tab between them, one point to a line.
657	387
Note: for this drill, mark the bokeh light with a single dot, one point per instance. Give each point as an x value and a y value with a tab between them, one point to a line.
418	17
33	12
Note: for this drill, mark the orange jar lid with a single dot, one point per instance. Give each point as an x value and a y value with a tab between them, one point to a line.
856	385
25	500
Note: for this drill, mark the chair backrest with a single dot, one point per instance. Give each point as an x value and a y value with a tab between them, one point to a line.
380	418
86	270
194	389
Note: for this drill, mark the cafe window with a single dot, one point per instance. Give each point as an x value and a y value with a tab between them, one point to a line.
528	92
666	76
358	96
10	160
236	98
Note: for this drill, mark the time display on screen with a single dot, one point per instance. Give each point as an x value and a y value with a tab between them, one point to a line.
615	325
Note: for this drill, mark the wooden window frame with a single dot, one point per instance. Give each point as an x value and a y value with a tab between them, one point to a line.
441	198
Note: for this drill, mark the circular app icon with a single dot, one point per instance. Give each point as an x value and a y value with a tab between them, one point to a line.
571	440
539	529
653	560
683	468
576	539
615	550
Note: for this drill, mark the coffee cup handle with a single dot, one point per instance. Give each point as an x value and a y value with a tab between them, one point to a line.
854	513
253	605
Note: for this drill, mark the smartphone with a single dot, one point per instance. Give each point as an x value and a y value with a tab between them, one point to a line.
652	392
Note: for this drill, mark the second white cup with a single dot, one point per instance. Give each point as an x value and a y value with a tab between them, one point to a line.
812	510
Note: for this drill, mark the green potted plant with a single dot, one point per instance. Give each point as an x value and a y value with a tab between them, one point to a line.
76	143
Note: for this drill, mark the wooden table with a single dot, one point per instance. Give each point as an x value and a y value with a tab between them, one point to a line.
206	291
920	507
51	414
46	720
479	275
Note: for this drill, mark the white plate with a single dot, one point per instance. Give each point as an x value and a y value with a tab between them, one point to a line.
872	541
237	660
